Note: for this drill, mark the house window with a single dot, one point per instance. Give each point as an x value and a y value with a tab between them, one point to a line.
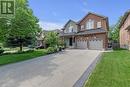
99	25
82	27
70	29
90	24
65	31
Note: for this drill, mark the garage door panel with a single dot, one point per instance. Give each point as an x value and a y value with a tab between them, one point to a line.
96	44
82	44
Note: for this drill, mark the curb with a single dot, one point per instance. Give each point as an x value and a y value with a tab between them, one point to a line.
87	73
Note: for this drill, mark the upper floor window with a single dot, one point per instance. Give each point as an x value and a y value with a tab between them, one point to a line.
90	24
82	27
70	29
99	25
65	31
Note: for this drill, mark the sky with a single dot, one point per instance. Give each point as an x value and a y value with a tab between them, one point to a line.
53	14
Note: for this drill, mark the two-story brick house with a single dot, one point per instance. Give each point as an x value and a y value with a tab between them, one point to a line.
125	31
91	32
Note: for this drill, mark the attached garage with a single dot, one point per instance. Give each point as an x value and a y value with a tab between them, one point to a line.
96	44
82	44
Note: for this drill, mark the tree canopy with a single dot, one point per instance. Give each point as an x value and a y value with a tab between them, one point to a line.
114	31
52	39
22	28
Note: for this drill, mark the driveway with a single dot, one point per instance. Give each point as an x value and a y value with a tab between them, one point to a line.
57	70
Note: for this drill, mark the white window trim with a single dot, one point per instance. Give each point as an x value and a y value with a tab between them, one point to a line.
70	29
90	24
99	24
82	27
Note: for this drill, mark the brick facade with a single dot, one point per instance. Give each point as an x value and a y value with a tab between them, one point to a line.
92	37
96	19
125	31
86	35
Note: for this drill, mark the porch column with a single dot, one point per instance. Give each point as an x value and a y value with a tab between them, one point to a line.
73	41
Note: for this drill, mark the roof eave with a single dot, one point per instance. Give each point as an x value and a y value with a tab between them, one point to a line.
128	28
124	18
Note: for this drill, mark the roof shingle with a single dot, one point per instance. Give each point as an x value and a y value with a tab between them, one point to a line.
87	32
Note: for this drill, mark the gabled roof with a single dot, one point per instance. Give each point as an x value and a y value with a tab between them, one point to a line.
69	22
124	18
103	17
92	14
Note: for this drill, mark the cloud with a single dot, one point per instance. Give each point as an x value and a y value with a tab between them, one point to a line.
84	6
50	25
85	3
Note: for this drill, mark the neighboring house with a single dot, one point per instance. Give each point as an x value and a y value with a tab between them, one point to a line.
58	31
125	31
40	39
89	33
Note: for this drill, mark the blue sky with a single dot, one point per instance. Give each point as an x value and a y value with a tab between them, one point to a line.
55	13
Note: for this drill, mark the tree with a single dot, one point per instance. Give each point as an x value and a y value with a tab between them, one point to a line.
114	31
52	39
3	28
23	26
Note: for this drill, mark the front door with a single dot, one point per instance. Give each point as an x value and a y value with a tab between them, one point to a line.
70	41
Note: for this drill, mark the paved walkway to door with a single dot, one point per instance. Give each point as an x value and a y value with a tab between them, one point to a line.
57	70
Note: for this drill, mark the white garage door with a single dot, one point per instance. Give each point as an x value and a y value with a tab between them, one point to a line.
96	44
82	44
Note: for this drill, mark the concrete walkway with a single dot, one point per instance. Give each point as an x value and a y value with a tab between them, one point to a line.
56	70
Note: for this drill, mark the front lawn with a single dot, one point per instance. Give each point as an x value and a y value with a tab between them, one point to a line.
112	71
12	58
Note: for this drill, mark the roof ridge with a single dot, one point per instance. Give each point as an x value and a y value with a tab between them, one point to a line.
93	14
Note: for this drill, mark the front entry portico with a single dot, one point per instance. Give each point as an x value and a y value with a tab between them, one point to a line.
70	42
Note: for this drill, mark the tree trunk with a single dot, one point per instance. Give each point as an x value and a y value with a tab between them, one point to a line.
21	47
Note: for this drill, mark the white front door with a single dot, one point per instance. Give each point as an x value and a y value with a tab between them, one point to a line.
96	44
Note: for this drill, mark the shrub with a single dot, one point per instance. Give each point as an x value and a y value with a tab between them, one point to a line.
1	50
56	49
50	50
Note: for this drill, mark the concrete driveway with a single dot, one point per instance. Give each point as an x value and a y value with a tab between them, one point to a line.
57	70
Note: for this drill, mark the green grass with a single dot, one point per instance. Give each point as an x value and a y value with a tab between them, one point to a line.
112	71
13	58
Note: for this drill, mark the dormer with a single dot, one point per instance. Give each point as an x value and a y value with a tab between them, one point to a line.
71	27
